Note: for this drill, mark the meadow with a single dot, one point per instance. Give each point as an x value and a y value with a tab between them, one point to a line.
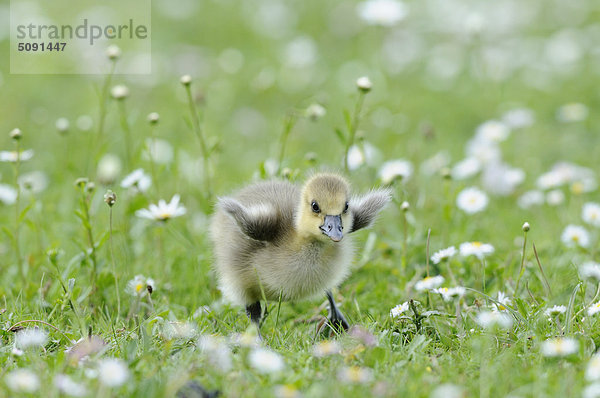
481	278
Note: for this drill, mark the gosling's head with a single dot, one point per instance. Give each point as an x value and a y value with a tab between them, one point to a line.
323	210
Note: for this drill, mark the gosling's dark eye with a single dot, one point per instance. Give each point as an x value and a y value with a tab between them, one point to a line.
315	207
346	208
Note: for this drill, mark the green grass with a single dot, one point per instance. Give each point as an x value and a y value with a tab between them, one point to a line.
56	279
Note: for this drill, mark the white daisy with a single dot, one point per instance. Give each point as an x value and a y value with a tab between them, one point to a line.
472	200
265	360
8	195
590	269
69	387
119	92
355	374
109	168
483	150
62	124
112	372
555	197
555	310
448	293
140	286
559	347
382	12
593	309
492	131
326	348
429	283
22	380
13	156
216	351
466	168
502	302
395	169
137	179
591	214
530	199
575	235
477	249
364	83
163	211
34	181
399	309
158	151
592	371
315	111
501	179
518	118
31	337
489	320
572	112
443	254
436	163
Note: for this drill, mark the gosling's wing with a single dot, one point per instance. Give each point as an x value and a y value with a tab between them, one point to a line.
259	222
365	208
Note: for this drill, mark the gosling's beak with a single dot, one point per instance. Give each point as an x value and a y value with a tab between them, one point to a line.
332	227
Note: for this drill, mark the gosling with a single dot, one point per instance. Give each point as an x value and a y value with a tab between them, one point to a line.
274	240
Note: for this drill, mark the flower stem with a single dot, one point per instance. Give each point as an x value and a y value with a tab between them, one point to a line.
522	269
201	138
353	127
112	256
20	262
288	125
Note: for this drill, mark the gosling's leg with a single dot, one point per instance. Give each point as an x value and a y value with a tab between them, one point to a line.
254	312
336	319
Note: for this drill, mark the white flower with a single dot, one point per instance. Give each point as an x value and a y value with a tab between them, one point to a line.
67	386
555	197
359	155
119	92
573	112
489	319
575	235
591	214
109	168
113	51
443	254
326	348
501	179
364	83
163	211
590	269
138	179
429	283
22	380
34	181
266	361
140	286
555	310
531	198
112	372
31	337
315	111
382	12
399	309
186	80
593	309
158	151
559	347
492	131
394	169
582	178
449	293
286	391
13	156
591	391
62	124
355	374
478	249
483	150
435	163
217	352
502	302
466	168
518	118
592	371
8	195
179	330
472	200
447	390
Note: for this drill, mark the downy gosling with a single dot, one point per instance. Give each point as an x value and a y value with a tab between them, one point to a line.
276	240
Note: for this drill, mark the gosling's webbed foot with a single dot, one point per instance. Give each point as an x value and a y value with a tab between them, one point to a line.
336	323
254	312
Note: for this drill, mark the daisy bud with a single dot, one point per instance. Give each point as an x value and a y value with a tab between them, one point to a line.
364	84
110	198
81	182
186	80
16	134
286	172
311	157
62	125
113	52
526	227
90	187
446	173
315	112
119	92
153	118
404	206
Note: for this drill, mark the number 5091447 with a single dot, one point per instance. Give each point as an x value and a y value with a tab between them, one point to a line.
49	46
